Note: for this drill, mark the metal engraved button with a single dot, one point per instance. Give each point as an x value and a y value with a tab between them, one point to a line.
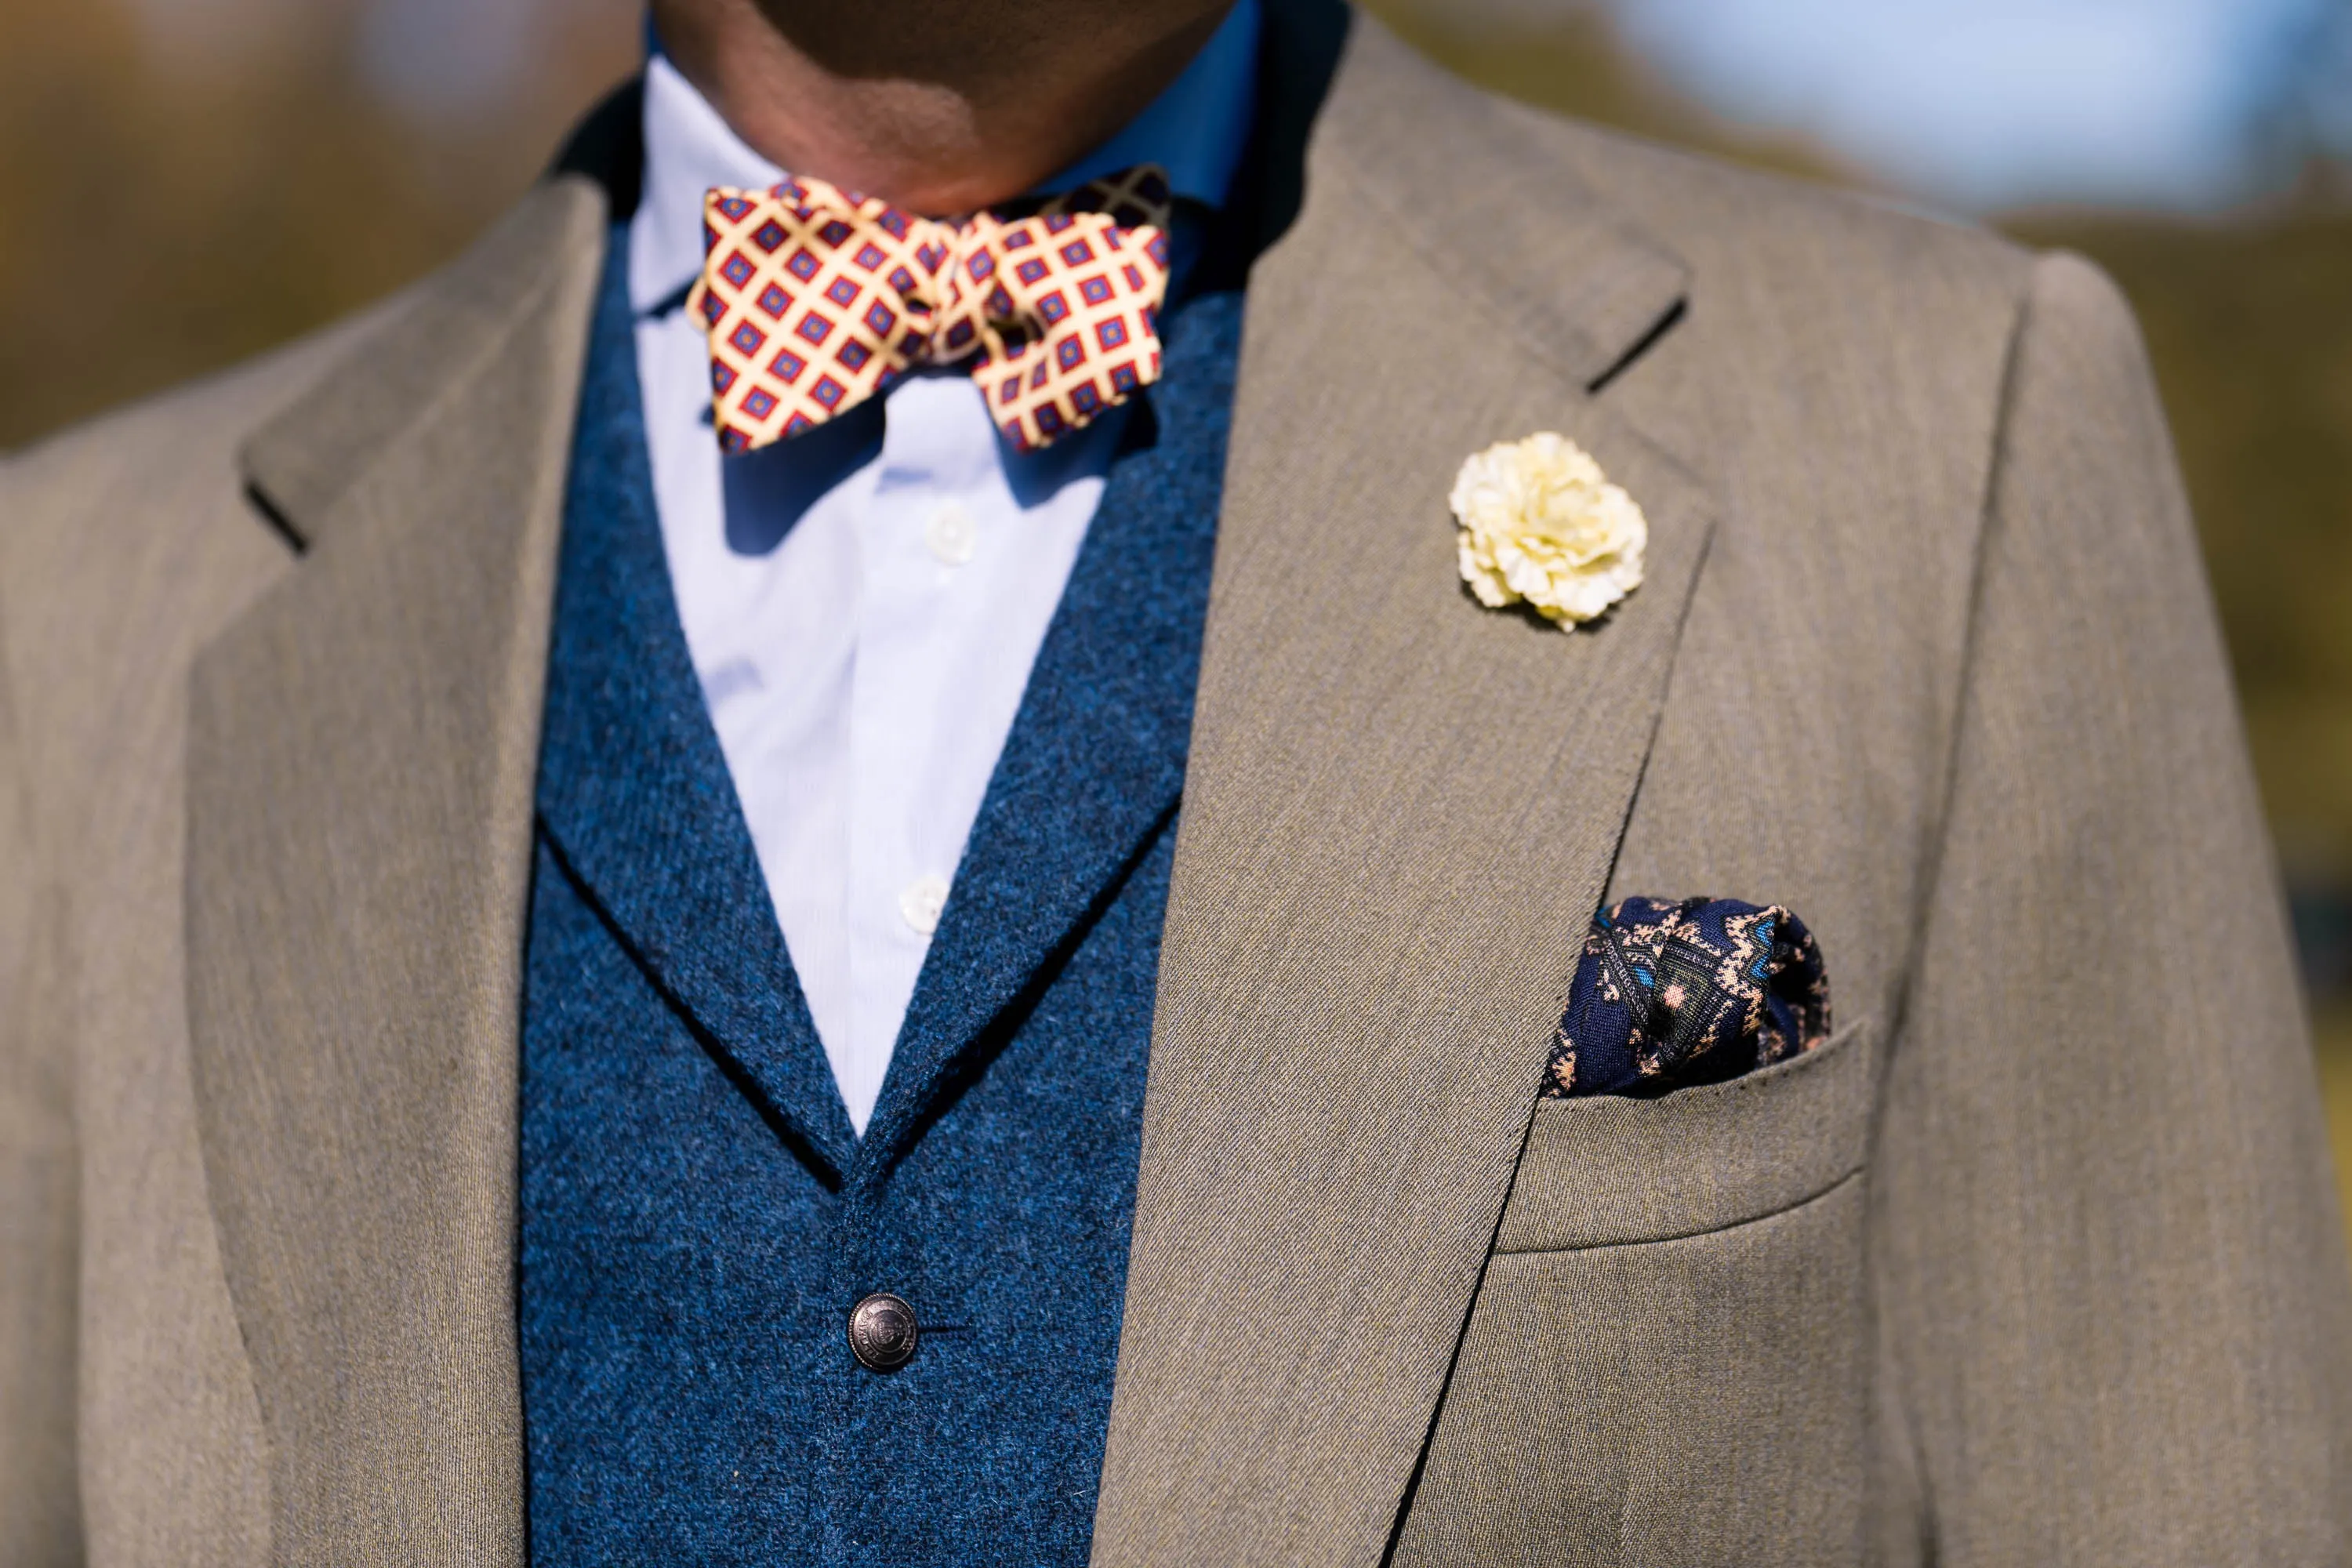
882	1333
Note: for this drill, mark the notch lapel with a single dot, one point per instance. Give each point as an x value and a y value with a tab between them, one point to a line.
1400	814
361	758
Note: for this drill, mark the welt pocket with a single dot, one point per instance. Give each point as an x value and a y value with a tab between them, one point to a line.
1606	1172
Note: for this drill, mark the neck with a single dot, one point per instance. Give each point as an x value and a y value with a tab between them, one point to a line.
939	106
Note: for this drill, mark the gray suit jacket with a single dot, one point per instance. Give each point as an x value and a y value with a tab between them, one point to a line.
2036	1262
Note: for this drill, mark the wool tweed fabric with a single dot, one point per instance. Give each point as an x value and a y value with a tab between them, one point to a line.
697	1219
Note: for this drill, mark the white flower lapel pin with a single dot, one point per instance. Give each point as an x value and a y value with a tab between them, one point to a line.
1542	525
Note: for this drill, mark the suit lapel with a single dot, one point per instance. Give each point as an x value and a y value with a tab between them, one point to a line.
360	770
1399	814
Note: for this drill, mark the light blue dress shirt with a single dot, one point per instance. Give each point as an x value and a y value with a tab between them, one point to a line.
864	603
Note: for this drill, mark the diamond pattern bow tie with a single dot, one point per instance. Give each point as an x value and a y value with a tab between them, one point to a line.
815	299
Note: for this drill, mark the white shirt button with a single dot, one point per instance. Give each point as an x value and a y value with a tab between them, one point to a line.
950	534
922	904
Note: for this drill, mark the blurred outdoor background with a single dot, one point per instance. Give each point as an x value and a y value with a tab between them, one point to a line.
185	182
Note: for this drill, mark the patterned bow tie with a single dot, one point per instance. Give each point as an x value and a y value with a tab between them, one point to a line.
815	300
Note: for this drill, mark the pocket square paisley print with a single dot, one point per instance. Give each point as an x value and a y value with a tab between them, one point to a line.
1668	994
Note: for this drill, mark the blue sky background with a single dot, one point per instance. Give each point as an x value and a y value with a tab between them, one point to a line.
1993	103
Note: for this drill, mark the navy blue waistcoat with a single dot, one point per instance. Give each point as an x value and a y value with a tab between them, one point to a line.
697	1217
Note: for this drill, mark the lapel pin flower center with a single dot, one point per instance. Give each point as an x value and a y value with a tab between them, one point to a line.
1542	525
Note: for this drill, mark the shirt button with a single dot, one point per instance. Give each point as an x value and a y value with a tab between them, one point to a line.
950	534
882	1333
922	902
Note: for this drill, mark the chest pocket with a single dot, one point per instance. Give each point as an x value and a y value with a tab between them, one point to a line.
1669	1359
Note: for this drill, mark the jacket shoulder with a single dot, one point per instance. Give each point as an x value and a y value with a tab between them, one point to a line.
1724	212
166	459
126	542
1821	253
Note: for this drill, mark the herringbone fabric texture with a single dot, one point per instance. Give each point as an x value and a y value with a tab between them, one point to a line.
815	299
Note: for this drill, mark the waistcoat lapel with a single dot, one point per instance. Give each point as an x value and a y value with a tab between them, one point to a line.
360	770
635	792
1095	762
1400	814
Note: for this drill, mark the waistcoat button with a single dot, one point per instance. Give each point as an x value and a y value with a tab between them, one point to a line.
882	1333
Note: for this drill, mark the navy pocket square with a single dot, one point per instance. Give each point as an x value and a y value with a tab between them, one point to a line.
1669	994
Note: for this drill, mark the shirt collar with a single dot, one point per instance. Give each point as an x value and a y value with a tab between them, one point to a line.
1197	130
